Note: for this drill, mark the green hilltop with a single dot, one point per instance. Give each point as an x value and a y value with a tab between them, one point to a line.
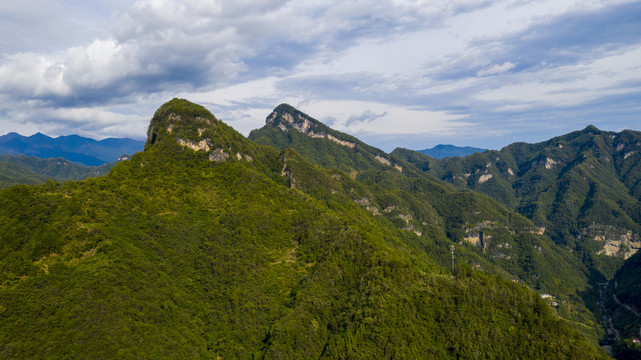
207	245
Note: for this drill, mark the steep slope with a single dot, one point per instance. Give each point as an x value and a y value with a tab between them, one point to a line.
621	301
199	247
624	298
88	152
287	127
583	188
486	235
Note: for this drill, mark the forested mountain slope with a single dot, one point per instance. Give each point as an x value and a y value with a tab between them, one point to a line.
12	174
287	127
33	170
486	234
207	245
624	299
583	188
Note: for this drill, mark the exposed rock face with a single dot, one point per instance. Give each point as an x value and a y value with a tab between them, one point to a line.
628	154
475	235
616	242
183	121
547	162
218	155
386	161
484	178
341	142
204	144
303	125
383	160
194	127
365	202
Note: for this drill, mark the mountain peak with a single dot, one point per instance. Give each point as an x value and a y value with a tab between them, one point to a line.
180	119
40	136
193	126
286	116
591	129
442	151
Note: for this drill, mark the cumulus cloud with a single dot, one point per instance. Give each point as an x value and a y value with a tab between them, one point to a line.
92	122
392	66
31	75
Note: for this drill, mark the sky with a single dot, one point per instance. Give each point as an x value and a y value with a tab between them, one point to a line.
394	73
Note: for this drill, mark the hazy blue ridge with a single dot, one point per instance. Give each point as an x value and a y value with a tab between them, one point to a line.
74	148
442	151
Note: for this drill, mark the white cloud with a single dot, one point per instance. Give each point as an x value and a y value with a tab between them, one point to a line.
95	122
575	84
496	69
32	75
428	66
390	119
99	64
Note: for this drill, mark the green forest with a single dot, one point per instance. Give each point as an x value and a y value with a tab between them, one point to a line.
209	245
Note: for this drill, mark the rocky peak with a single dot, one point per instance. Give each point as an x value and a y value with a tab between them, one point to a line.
181	120
287	117
192	126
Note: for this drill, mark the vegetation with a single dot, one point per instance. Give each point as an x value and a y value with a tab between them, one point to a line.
328	148
414	199
33	170
627	350
11	174
175	255
583	188
624	304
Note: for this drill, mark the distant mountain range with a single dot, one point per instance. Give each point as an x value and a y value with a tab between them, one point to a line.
443	151
74	148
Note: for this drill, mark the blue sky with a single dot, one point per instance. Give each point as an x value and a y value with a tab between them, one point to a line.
410	73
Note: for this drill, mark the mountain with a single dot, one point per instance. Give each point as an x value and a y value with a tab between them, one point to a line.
207	245
34	170
74	148
583	188
12	174
488	235
442	151
287	126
